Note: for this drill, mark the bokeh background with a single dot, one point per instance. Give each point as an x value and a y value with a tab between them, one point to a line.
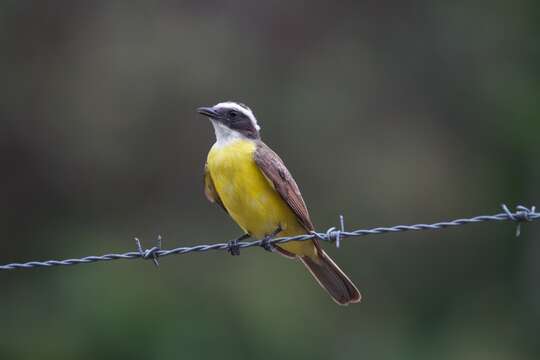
387	112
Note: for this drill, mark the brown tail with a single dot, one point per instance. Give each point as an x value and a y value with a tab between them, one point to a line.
331	278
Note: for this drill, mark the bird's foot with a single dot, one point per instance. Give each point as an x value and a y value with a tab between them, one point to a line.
234	247
266	245
266	242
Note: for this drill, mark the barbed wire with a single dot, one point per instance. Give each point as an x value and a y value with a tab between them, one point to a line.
520	215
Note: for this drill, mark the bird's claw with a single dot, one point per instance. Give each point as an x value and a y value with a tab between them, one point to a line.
233	248
266	243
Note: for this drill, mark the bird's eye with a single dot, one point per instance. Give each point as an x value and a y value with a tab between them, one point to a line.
233	114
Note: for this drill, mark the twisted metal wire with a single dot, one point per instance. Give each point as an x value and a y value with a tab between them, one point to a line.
520	215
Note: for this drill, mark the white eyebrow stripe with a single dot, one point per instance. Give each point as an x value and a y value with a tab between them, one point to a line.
244	110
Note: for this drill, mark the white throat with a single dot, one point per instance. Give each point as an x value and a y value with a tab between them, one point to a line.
225	135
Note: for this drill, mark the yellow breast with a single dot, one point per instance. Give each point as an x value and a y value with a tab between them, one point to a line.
247	194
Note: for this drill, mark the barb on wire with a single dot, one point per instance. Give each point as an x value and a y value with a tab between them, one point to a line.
522	214
151	253
519	216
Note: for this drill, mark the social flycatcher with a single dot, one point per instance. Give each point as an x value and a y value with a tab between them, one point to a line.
251	183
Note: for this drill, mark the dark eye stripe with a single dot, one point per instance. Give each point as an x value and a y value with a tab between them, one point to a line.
238	112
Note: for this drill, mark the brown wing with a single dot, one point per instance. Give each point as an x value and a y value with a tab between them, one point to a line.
273	168
210	189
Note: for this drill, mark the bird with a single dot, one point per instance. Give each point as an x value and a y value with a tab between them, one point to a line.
248	180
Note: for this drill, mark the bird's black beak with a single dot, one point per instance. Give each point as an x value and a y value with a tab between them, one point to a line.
208	111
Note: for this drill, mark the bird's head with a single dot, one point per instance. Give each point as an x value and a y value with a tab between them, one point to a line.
231	121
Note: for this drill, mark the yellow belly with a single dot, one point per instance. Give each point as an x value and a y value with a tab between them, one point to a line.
250	198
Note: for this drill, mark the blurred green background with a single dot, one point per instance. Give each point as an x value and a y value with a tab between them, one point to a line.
385	111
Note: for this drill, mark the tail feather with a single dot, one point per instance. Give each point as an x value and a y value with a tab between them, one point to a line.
331	278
